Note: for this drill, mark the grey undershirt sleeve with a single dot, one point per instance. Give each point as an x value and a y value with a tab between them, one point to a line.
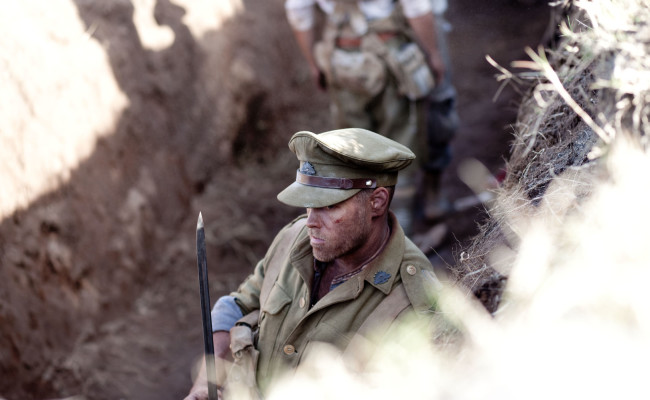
225	313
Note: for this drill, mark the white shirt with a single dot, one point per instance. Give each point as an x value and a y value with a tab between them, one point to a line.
300	13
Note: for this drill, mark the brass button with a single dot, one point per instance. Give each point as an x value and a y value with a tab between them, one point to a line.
289	349
301	303
411	270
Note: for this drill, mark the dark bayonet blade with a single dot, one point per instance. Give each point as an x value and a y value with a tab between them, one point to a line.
204	289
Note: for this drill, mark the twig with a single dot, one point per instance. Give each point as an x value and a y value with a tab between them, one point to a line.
543	64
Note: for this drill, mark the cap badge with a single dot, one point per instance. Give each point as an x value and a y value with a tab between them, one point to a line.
307	168
381	277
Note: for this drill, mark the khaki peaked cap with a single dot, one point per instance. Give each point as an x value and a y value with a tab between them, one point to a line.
336	165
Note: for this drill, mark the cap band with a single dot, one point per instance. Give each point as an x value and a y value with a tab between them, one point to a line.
335	183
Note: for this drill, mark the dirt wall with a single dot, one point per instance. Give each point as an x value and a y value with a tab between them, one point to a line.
115	115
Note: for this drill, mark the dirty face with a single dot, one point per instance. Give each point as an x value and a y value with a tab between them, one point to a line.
340	229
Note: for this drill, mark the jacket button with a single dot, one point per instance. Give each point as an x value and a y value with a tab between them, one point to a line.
301	303
411	270
289	349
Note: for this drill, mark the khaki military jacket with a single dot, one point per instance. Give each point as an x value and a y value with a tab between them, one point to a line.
287	327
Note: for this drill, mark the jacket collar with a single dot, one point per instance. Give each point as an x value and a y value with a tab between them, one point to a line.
383	270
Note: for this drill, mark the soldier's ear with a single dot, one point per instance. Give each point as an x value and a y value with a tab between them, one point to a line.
379	200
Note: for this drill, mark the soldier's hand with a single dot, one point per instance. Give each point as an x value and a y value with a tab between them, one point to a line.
318	78
437	67
322	81
201	393
197	394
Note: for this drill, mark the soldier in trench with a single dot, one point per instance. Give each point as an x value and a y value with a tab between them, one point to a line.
385	64
343	268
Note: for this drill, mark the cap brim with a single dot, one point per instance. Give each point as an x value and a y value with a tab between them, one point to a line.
299	195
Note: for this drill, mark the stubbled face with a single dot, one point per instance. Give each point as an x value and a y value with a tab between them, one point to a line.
339	229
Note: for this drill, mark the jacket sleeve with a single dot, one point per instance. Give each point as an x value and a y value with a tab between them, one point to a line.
415	8
300	14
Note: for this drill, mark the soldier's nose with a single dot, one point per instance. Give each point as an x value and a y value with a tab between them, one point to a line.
312	218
